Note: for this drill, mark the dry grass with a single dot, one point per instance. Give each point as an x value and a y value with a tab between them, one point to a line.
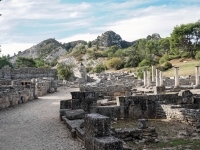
186	67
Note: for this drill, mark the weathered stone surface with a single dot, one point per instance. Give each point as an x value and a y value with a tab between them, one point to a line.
142	123
75	114
109	111
72	124
65	104
62	113
107	143
97	125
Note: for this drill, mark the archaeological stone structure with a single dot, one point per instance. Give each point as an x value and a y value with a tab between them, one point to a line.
114	96
26	73
21	85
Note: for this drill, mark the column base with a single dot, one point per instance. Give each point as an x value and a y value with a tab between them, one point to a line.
159	89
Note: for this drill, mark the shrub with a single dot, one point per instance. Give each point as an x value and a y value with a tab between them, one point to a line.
99	68
144	62
173	57
167	66
163	59
197	56
115	63
185	55
89	68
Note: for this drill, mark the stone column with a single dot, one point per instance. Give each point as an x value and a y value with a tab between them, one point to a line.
157	77
153	73
148	79
161	78
145	78
197	75
176	76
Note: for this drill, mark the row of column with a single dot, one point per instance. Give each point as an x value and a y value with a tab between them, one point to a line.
157	76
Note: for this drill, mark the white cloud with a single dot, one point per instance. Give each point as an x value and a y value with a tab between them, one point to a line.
11	48
151	20
85	21
85	37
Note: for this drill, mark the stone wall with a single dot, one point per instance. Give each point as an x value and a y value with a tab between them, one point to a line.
26	73
14	92
13	96
183	107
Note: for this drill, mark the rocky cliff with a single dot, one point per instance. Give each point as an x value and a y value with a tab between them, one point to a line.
110	38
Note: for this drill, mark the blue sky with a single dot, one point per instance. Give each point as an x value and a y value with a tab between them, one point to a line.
25	23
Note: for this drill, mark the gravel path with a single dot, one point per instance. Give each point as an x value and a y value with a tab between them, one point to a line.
35	125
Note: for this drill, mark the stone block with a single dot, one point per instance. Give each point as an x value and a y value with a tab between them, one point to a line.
76	104
65	104
77	95
97	125
109	111
72	124
62	112
142	123
75	114
107	143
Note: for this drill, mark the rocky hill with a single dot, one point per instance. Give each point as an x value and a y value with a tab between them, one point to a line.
51	50
110	38
48	50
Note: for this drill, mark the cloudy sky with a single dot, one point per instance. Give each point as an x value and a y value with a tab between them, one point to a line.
25	23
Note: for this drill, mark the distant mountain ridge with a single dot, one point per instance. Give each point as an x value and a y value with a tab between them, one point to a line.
51	49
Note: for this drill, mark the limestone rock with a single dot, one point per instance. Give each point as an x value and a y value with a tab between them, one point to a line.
110	38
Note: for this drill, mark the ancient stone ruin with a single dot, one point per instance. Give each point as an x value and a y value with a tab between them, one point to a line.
115	96
21	85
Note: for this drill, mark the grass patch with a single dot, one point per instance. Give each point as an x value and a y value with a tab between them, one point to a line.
168	131
186	67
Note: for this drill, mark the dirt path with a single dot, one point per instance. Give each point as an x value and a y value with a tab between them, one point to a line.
35	125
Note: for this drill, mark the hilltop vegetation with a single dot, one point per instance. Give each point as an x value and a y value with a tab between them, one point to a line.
110	51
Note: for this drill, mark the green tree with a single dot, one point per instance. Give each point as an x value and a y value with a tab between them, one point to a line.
164	45
185	38
64	71
25	62
97	47
144	62
4	61
89	44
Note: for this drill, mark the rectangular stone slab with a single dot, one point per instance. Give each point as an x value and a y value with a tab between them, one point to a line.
75	114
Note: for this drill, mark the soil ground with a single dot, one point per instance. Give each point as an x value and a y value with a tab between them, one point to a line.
36	125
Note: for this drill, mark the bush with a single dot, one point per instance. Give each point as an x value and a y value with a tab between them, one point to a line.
185	55
115	63
89	68
144	62
173	57
197	56
167	65
163	59
99	68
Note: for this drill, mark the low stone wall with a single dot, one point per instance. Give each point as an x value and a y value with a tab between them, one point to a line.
109	90
190	116
14	97
182	107
26	73
20	91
